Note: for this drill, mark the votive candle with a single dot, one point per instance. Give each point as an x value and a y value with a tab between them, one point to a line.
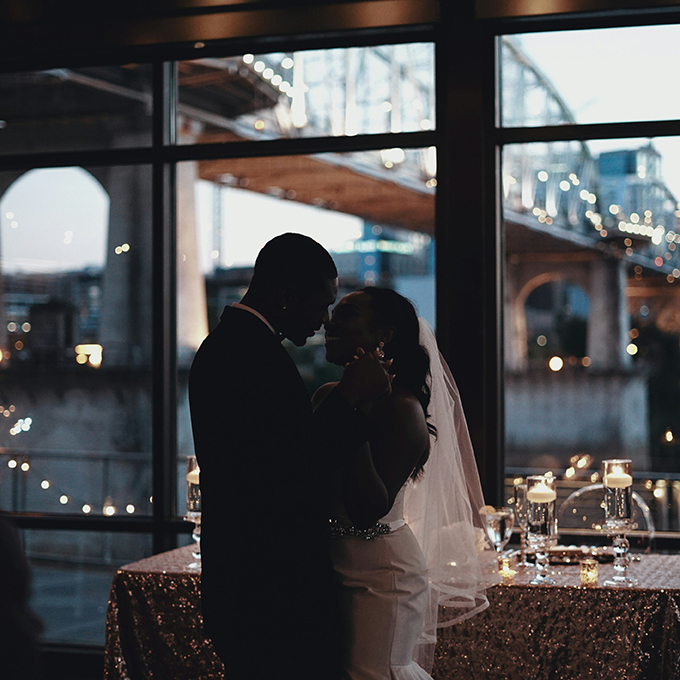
506	571
589	573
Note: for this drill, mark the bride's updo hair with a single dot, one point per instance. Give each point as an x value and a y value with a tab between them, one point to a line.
411	361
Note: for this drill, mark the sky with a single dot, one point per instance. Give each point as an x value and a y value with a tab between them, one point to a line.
616	75
254	219
54	220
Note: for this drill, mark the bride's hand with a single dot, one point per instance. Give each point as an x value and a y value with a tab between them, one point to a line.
366	377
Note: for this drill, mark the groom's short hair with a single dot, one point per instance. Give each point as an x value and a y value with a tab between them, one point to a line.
292	259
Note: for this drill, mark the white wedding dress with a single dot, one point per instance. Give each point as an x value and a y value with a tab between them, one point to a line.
384	598
398	588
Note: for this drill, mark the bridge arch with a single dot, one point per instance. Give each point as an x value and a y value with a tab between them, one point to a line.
76	237
602	281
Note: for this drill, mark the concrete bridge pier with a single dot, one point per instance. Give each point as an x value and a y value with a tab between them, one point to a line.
192	308
126	311
608	322
125	332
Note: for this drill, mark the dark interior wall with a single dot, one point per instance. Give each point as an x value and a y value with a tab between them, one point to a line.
40	31
486	9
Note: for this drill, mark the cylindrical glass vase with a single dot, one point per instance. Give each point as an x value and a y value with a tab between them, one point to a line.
542	522
617	478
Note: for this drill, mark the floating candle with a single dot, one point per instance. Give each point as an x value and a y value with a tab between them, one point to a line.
193	477
541	493
618	480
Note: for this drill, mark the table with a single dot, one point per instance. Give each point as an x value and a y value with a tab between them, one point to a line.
535	632
566	632
154	624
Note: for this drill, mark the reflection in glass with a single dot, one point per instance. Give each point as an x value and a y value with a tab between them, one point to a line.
376	221
71	575
75	341
73	109
336	92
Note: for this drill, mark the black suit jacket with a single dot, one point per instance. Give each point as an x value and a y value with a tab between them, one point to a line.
268	591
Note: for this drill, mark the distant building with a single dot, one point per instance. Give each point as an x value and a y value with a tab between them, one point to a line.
631	183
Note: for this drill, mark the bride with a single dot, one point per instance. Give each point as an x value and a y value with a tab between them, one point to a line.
403	522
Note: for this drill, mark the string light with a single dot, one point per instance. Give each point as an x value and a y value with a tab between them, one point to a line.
109	509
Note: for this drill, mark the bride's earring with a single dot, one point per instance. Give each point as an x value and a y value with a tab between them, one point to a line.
381	353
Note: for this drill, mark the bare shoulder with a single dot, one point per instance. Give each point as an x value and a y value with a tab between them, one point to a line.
404	402
403	412
322	393
399	438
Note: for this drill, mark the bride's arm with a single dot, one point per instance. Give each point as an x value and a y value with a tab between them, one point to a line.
376	473
373	473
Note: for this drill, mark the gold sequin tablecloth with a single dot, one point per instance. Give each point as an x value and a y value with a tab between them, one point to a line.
561	632
566	632
154	625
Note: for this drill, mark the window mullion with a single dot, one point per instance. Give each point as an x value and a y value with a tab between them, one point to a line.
164	310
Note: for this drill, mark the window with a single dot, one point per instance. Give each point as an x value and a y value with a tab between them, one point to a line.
591	261
76	328
312	93
69	109
107	291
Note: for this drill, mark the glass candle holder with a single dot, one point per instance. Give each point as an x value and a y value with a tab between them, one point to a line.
498	525
542	522
618	505
521	508
193	513
589	573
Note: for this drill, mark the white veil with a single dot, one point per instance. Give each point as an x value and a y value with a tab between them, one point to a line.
442	509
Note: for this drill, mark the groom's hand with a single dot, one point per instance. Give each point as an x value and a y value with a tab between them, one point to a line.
365	378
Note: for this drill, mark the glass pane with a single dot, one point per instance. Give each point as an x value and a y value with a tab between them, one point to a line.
103	107
373	211
592	313
337	92
75	340
590	76
72	572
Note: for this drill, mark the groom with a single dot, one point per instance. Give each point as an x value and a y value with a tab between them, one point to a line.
268	592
